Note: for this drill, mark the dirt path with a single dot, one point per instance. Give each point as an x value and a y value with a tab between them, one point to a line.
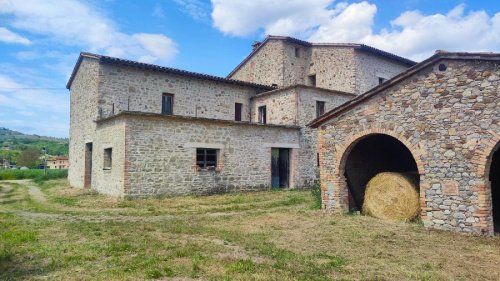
4	190
33	190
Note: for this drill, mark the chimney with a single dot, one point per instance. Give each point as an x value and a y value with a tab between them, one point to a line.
255	45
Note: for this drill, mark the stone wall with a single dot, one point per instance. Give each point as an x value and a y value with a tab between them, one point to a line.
370	68
133	89
109	181
449	120
337	67
83	103
297	106
265	67
161	153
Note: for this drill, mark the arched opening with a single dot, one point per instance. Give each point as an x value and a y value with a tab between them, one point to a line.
495	188
371	155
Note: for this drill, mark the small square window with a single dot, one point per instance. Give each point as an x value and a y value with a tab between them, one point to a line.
312	80
206	158
262	114
108	158
381	80
320	108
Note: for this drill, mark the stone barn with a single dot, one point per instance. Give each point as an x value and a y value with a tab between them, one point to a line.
439	119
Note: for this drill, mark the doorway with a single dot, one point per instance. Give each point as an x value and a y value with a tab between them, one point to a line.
88	165
280	167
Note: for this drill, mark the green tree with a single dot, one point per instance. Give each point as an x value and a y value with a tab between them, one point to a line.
29	158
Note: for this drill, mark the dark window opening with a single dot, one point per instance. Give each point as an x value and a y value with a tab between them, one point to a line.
206	158
167	104
442	67
312	80
108	158
320	108
297	52
372	155
317	159
262	114
381	80
237	111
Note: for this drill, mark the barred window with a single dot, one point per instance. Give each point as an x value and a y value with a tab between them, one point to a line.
206	158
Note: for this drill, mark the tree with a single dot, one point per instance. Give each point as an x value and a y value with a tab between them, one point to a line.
29	158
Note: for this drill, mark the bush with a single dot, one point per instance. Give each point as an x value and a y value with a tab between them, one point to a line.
316	194
37	175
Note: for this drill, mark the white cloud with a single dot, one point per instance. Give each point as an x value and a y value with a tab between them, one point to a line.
412	34
76	23
197	9
27	107
158	12
11	37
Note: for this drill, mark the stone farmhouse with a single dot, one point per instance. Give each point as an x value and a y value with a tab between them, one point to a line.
290	111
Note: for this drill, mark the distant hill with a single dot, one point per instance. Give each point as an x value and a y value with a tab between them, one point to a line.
13	142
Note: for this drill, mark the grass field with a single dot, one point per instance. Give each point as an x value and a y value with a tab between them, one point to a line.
35	174
53	232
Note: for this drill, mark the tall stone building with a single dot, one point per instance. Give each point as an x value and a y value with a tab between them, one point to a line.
144	130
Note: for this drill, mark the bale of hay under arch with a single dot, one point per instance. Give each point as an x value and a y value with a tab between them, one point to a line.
392	196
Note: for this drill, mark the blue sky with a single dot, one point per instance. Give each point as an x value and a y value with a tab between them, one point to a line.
40	40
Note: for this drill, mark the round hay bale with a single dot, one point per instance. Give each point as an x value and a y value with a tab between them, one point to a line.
392	196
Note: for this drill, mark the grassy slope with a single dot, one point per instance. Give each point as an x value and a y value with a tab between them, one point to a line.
12	143
77	235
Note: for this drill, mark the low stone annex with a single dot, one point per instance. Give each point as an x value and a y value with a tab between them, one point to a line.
290	113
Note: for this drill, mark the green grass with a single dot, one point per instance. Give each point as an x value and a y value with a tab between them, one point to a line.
271	235
38	175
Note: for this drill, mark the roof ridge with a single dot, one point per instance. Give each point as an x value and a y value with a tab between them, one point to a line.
360	46
149	66
438	55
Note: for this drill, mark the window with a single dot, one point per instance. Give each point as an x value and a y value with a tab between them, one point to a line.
237	111
297	52
108	158
381	80
206	158
312	80
320	108
317	159
262	114
167	104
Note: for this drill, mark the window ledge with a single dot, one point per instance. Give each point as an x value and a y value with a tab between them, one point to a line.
107	168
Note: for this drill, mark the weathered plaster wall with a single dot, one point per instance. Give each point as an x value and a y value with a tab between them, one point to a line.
449	120
132	89
83	104
162	154
109	135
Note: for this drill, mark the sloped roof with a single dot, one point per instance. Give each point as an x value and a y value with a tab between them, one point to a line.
360	47
162	69
439	55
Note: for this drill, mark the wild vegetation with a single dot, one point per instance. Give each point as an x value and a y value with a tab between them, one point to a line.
12	143
37	175
53	232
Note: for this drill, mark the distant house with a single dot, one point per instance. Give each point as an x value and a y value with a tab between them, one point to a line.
58	162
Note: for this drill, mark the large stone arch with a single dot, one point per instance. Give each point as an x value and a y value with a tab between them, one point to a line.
483	159
343	150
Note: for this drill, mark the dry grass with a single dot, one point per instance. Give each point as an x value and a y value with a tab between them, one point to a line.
79	235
